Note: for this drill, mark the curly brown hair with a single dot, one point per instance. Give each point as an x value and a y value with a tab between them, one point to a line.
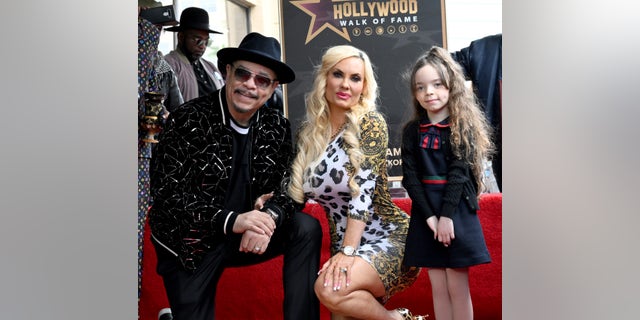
470	130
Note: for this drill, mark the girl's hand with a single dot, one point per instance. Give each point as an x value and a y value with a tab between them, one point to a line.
432	222
445	231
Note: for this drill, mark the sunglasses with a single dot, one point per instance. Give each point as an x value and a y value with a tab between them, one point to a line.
243	75
199	41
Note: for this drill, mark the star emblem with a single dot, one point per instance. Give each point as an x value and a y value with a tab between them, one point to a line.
321	12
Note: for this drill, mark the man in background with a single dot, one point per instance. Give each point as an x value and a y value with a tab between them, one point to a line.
196	76
482	64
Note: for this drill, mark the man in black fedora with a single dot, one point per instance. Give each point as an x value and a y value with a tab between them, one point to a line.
196	75
218	180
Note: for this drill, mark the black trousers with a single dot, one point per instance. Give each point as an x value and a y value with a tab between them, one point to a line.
191	295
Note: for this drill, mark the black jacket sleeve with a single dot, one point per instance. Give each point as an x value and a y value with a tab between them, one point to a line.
179	175
272	169
411	173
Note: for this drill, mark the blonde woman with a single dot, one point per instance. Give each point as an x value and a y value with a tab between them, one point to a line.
341	164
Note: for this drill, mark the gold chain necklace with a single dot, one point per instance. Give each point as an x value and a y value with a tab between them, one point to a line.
335	132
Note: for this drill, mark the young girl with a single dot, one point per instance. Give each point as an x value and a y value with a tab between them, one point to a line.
443	148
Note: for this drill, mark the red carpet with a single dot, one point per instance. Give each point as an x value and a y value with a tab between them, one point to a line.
256	292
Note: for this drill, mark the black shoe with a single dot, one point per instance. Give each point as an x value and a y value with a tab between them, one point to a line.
165	314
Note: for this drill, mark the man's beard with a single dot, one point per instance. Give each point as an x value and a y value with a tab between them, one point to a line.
190	55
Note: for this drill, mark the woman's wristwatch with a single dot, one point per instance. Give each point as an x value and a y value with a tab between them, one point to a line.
348	250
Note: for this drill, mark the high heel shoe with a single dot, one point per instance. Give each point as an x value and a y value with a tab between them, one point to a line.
406	315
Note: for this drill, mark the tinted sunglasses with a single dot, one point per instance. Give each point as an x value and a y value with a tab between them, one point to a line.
200	42
243	75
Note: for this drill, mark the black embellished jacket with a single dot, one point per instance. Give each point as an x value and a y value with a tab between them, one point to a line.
191	168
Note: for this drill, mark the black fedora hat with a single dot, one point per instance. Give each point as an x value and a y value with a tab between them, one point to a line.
262	50
193	18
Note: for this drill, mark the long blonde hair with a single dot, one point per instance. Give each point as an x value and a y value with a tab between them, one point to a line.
470	130
315	131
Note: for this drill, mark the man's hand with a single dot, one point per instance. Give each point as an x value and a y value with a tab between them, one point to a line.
254	242
256	221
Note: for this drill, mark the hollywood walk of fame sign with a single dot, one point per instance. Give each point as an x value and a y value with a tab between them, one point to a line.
394	33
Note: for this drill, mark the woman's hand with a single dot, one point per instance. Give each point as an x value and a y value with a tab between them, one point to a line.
336	269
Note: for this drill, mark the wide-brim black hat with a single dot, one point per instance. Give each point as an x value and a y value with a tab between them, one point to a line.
193	18
261	50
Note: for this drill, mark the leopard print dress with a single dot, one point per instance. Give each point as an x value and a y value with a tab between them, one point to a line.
383	240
